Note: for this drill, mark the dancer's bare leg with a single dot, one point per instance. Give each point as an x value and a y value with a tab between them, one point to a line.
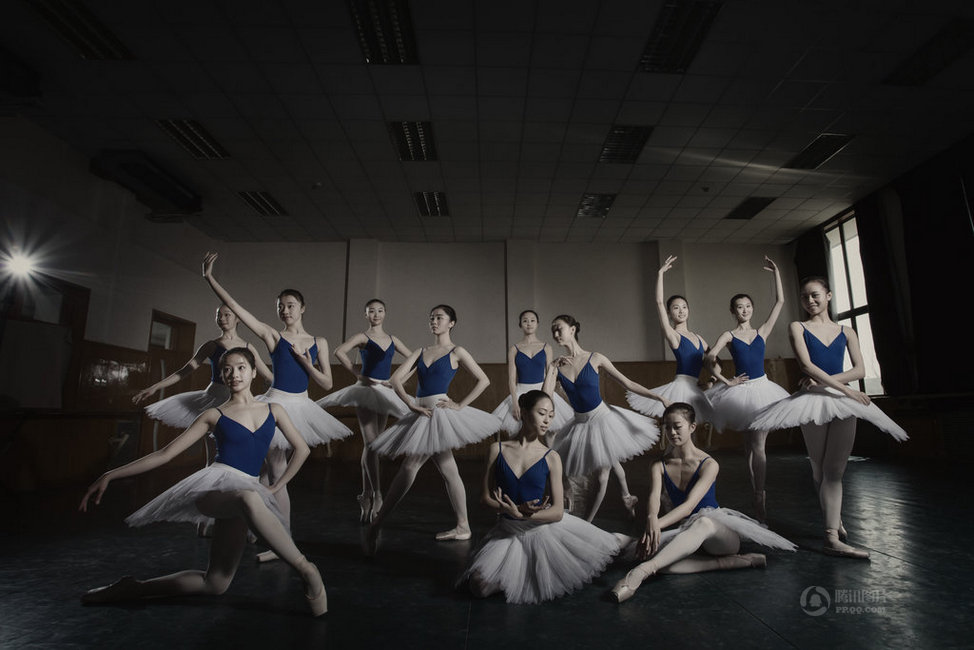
602	476
274	465
628	500
757	467
400	485
447	465
371	424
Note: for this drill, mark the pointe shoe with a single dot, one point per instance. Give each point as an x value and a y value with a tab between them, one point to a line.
365	508
630	501
836	548
267	556
319	602
760	506
843	533
376	505
625	589
122	589
455	535
756	560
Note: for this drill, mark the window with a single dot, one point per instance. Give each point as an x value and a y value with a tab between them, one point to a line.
849	300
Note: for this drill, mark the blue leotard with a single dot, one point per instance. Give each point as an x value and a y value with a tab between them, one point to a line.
376	362
748	358
241	448
530	486
530	370
289	375
435	378
583	393
678	496
215	377
689	359
830	358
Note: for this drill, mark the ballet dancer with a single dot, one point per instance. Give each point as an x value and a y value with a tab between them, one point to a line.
536	551
736	400
436	426
709	537
294	355
228	491
825	407
527	363
371	395
600	437
182	409
689	350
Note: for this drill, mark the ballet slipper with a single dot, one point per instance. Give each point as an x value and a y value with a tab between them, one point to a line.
629	501
457	534
836	548
760	506
626	588
365	508
756	560
742	561
318	598
123	589
267	556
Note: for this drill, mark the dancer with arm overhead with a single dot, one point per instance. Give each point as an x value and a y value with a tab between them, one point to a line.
736	400
373	398
826	407
600	437
689	350
297	359
228	491
536	551
527	364
436	426
709	537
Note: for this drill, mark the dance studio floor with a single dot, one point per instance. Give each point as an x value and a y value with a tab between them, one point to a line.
915	592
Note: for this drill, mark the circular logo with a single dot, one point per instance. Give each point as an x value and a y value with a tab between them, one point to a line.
815	601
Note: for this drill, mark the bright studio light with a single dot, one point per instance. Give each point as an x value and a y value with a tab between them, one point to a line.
20	265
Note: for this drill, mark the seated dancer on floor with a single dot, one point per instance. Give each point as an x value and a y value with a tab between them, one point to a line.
228	491
535	552
709	537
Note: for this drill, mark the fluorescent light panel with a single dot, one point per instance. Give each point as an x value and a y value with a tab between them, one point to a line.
78	27
819	150
750	207
194	138
681	27
413	140
624	143
385	31
953	41
263	203
595	205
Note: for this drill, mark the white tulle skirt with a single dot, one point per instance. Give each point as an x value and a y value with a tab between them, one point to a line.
735	406
315	425
563	412
181	410
533	562
178	503
446	428
374	397
683	388
602	437
820	405
745	527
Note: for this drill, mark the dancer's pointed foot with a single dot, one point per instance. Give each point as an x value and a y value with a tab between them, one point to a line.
837	548
843	533
365	508
626	588
315	591
629	501
458	534
124	589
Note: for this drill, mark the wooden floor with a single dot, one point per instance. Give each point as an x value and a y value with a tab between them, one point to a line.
915	592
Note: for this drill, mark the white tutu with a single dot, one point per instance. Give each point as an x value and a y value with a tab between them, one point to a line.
683	388
563	412
315	425
532	561
735	406
820	405
602	437
181	410
745	527
418	435
374	397
178	503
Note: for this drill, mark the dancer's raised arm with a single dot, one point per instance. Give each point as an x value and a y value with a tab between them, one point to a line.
266	333
779	299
